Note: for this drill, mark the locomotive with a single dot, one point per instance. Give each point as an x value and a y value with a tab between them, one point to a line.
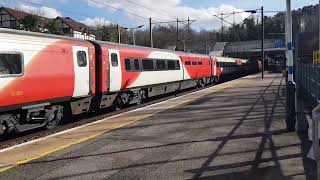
43	77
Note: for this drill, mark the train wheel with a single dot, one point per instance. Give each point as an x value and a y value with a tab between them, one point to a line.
5	126
201	83
53	116
118	106
3	129
217	80
122	100
140	96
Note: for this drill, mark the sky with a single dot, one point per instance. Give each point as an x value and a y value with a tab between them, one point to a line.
92	12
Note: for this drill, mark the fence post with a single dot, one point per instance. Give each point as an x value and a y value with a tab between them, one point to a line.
317	84
290	106
315	137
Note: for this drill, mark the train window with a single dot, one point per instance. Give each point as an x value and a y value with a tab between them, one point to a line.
11	64
194	63
187	63
161	64
177	65
171	64
114	60
199	63
127	64
147	65
136	64
82	59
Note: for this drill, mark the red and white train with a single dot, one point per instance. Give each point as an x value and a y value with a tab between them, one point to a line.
42	76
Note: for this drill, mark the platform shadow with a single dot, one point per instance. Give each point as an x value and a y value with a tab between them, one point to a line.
233	171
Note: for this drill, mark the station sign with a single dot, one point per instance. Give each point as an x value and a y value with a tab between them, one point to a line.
316	57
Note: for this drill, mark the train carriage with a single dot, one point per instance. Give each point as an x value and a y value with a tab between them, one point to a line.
39	74
128	74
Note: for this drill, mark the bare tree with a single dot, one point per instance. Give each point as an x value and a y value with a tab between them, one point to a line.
31	10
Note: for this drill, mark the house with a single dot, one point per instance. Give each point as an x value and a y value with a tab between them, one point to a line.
70	27
11	18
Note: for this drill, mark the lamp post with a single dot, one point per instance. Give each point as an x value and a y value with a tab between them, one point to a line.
262	38
133	33
262	42
291	89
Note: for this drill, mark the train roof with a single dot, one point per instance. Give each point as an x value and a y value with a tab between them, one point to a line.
37	34
44	35
229	59
149	48
225	59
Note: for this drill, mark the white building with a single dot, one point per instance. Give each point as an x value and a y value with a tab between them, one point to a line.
70	27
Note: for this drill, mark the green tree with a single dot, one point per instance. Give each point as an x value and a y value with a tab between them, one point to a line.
52	27
30	23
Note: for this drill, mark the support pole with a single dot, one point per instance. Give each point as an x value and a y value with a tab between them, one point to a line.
189	25
150	29
177	34
262	42
234	27
119	34
319	25
188	37
133	37
222	30
291	90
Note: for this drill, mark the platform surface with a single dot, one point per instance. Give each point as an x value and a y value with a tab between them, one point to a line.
233	131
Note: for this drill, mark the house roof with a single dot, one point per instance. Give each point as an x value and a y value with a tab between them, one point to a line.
75	25
19	15
15	13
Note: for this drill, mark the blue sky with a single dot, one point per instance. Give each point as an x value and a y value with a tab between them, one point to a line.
250	4
166	10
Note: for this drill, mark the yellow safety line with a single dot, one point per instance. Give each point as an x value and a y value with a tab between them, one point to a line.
68	145
2	170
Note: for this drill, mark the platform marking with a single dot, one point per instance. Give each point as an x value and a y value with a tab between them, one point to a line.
200	93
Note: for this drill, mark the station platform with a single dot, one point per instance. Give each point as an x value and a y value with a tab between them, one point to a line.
234	130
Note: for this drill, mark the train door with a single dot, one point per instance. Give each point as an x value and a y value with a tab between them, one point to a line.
213	67
81	71
115	70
